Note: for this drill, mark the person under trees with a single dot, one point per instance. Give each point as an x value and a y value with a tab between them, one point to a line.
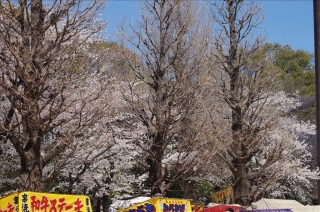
50	80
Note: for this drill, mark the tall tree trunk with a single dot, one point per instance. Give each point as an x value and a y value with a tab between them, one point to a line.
155	165
241	185
241	188
98	204
105	204
31	171
31	163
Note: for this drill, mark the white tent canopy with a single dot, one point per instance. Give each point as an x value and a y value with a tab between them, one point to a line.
120	204
314	208
294	205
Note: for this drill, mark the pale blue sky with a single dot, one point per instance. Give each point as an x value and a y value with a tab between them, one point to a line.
287	21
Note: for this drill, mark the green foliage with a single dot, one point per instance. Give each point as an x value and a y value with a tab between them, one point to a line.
298	68
7	187
115	55
176	191
308	82
205	188
195	190
297	76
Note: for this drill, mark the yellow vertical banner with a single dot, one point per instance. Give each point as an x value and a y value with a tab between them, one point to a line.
44	202
224	196
9	203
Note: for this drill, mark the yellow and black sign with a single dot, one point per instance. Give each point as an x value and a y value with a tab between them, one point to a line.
44	202
224	196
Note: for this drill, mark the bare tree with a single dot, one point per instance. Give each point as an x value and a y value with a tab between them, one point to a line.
244	85
263	152
170	43
50	81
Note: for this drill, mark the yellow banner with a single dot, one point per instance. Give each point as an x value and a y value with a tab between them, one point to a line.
9	203
44	202
224	196
196	207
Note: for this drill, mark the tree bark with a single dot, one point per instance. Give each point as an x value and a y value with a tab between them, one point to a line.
31	172
241	187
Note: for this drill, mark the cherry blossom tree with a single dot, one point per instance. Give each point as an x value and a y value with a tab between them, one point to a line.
290	142
100	162
298	170
104	166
